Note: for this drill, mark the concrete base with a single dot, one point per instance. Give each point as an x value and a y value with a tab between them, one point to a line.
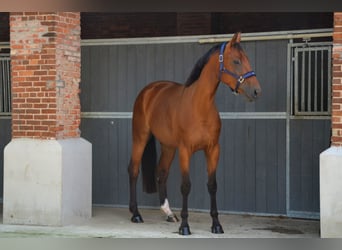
331	192
109	222
47	182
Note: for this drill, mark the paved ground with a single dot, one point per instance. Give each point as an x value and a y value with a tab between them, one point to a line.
115	223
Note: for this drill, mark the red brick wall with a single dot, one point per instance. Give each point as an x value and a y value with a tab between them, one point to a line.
45	60
194	23
336	138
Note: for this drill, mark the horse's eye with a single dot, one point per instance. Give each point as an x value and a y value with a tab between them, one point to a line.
237	62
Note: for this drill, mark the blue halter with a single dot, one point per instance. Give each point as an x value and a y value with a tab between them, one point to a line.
240	79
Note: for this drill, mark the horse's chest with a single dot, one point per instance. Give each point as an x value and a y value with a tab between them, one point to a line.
201	135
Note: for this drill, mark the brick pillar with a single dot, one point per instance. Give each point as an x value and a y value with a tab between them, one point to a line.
331	159
50	183
45	59
336	138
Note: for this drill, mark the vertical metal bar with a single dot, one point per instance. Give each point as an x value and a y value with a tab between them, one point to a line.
9	96
329	81
302	101
315	83
309	83
5	91
322	80
289	90
296	81
6	85
2	96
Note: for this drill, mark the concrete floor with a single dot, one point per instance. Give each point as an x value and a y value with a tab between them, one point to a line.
115	223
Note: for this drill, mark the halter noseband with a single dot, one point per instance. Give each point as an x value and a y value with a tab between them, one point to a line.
240	79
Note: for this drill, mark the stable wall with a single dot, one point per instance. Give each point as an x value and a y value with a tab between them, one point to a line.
269	161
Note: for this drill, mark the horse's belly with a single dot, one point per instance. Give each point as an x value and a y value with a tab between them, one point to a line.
165	134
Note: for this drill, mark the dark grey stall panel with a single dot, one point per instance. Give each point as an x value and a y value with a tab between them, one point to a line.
249	178
253	159
111	139
112	76
308	139
271	61
111	145
270	166
238	158
5	138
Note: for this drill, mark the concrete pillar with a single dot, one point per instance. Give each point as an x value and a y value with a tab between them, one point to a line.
331	159
47	165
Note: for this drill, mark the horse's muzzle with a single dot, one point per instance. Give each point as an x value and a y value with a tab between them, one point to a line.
252	93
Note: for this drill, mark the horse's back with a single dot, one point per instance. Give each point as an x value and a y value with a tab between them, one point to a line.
155	93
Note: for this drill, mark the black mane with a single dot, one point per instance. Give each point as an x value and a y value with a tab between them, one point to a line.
196	71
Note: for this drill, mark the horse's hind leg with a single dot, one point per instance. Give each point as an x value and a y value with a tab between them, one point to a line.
167	155
133	207
139	143
212	155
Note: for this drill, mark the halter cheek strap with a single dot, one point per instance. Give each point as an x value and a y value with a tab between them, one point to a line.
239	79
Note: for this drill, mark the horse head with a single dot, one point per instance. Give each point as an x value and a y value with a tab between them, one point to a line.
236	71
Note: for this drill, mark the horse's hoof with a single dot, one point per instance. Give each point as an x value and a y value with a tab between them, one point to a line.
184	230
172	218
137	219
217	229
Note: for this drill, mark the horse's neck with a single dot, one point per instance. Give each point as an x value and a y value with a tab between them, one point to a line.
207	84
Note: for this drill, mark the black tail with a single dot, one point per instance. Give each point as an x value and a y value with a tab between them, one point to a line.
148	166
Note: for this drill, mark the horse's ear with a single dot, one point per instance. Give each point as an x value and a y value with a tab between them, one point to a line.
236	39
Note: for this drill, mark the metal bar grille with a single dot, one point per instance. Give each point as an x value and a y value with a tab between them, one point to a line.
5	84
312	80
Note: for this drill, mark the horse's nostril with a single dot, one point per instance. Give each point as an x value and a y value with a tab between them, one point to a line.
257	92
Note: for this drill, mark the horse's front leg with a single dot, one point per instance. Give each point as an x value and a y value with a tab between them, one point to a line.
212	154
184	159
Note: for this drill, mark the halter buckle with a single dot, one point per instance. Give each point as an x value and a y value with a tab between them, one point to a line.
241	79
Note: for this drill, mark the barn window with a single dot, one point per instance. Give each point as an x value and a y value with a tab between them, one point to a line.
311	79
5	84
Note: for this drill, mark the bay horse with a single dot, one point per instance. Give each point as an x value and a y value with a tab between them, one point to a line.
185	117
